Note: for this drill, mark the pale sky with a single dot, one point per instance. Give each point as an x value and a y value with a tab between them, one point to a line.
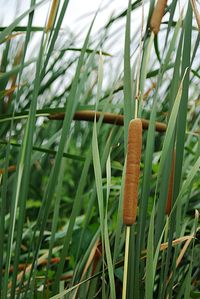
75	16
79	15
75	10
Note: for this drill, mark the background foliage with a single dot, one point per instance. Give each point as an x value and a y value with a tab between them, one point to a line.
61	226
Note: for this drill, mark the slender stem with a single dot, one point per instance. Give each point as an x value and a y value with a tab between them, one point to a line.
128	228
136	108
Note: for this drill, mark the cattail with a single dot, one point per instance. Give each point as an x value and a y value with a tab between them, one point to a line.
171	186
109	118
97	257
157	15
196	13
10	169
146	94
132	171
10	91
52	15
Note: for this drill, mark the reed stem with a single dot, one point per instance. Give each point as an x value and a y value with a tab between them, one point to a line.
128	228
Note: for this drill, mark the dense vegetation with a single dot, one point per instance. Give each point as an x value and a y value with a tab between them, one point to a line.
62	177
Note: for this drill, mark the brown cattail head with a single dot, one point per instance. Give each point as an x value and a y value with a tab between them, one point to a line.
52	15
132	171
10	169
157	15
171	186
18	56
109	118
97	257
10	91
196	12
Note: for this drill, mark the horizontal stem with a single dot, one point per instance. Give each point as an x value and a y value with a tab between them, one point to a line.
109	118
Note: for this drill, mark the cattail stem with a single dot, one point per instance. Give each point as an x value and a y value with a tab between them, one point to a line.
157	15
128	229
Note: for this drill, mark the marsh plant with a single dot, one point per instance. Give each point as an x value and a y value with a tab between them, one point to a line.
69	171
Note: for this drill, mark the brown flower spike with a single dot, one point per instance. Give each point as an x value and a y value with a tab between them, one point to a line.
132	171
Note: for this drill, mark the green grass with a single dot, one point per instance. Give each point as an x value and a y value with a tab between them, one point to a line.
64	200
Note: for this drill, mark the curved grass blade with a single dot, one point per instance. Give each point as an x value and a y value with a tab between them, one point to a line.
128	99
11	27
